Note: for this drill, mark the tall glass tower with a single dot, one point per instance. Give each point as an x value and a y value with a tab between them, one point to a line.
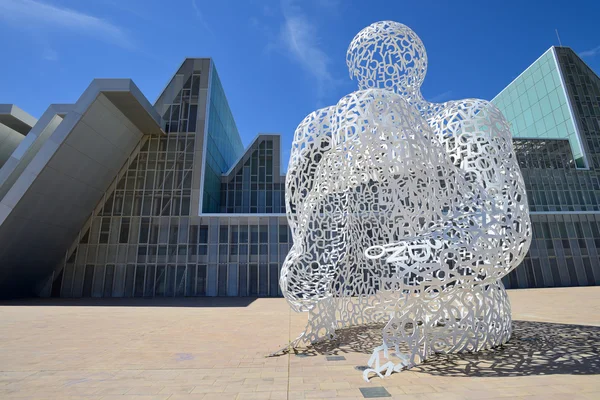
554	111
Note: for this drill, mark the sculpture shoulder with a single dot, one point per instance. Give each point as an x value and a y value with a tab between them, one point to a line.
467	108
367	95
317	116
315	124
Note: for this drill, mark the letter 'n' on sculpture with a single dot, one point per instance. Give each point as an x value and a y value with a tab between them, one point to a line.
403	212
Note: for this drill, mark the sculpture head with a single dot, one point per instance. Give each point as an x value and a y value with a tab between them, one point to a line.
387	55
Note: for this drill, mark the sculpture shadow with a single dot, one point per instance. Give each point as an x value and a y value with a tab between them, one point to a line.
535	348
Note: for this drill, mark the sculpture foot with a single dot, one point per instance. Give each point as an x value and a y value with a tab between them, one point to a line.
389	367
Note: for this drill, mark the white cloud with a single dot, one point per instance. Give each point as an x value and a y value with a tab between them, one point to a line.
131	7
39	15
590	52
299	38
200	16
441	97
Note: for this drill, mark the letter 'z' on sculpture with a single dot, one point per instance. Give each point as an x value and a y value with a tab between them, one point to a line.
404	213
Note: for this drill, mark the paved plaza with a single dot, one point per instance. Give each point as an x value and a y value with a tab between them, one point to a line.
215	348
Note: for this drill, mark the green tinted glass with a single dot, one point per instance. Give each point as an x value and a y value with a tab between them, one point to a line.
536	106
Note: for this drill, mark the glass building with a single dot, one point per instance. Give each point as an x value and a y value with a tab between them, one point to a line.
190	213
162	200
554	111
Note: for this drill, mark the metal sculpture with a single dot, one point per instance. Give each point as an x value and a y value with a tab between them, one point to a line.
403	212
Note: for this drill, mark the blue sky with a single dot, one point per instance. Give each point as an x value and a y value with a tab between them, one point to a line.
278	59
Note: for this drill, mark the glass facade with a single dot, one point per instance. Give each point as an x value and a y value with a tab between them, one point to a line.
145	238
583	87
224	145
544	153
563	252
143	241
564	201
537	106
173	257
255	184
148	238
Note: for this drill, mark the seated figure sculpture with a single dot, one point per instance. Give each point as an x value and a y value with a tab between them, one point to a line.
403	212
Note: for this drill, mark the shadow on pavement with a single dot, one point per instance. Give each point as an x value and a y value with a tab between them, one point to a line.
535	348
134	302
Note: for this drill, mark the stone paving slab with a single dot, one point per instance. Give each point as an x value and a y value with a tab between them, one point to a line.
189	349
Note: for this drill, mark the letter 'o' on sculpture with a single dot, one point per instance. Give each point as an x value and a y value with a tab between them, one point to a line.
404	213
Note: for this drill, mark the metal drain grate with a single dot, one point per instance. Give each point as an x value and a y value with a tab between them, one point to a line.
374	392
335	358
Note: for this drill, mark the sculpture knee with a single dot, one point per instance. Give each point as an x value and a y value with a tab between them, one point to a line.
304	282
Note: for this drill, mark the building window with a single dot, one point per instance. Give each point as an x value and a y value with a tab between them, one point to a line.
86	237
104	230
173	235
124	233
283	233
144	230
203	234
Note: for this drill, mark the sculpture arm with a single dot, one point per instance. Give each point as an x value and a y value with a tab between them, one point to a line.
478	139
